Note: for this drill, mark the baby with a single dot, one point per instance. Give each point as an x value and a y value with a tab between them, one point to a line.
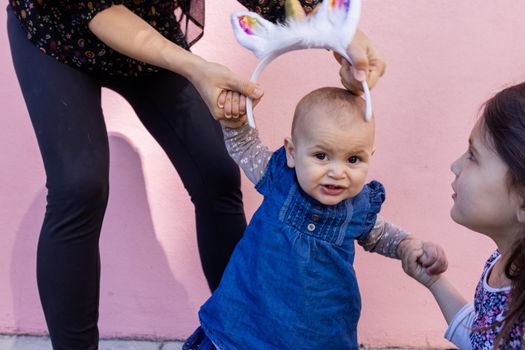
290	283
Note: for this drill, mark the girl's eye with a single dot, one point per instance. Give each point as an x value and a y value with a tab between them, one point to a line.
320	156
353	160
470	155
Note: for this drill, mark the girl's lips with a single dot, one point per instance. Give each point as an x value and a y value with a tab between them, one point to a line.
454	195
332	190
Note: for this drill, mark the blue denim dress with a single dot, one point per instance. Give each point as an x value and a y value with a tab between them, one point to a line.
290	283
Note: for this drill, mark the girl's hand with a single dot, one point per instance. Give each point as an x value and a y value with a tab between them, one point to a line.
210	79
433	259
411	251
367	64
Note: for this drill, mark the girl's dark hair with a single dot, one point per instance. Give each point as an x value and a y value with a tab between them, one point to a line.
503	120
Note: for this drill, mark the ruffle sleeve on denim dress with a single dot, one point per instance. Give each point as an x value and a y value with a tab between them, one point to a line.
274	170
376	195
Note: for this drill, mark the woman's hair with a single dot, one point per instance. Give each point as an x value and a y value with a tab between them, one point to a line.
503	121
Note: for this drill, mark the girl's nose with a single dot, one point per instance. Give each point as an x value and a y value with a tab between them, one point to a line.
455	167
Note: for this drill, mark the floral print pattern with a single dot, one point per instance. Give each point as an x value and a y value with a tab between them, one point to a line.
59	28
490	308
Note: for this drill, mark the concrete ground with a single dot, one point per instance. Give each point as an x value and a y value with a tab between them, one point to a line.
10	342
25	342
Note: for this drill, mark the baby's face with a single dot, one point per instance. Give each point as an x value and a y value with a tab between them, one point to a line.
331	157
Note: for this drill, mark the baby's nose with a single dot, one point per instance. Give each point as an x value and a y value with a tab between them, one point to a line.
336	171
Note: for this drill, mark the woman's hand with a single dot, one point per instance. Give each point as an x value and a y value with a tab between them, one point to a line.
367	64
210	79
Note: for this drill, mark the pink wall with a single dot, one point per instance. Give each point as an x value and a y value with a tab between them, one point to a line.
444	59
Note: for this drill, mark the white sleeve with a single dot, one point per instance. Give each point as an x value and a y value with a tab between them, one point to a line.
459	329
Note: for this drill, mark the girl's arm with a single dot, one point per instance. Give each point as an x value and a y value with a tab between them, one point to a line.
454	307
127	33
246	149
450	301
458	313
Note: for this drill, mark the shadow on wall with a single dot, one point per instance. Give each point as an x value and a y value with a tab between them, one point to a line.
135	269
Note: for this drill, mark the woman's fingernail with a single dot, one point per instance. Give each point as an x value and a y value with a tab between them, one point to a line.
360	75
257	93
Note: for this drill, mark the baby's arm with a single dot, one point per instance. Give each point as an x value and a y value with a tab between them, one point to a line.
387	239
246	149
384	239
457	312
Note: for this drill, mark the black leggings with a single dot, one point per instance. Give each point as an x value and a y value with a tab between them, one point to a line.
64	104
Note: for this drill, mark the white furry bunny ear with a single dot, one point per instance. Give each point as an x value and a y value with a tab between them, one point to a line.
253	32
331	26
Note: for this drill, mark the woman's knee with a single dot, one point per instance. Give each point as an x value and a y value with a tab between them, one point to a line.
82	193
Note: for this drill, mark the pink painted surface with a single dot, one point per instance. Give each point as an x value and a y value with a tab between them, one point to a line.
444	59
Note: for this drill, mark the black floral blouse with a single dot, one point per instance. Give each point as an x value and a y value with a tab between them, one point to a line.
60	28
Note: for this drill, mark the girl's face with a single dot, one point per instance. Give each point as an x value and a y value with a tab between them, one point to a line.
483	200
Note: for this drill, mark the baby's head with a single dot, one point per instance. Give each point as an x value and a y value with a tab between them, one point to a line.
331	144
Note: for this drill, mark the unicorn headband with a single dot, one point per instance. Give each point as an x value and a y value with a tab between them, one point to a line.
332	26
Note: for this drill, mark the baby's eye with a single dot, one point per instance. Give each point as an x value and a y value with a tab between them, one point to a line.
470	155
354	160
321	156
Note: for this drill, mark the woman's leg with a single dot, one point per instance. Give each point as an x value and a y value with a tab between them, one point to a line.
174	113
64	105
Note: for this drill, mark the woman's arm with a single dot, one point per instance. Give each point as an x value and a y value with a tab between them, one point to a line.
127	33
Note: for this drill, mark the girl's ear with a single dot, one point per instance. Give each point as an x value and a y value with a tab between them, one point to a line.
521	215
290	152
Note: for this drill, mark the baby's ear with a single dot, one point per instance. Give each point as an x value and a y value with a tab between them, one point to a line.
290	152
252	31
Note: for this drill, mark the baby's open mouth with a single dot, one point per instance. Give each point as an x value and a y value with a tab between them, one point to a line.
332	189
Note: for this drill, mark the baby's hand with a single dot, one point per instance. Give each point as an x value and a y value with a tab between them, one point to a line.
413	254
234	105
433	259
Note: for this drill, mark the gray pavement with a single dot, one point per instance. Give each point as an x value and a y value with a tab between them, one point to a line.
23	342
27	342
